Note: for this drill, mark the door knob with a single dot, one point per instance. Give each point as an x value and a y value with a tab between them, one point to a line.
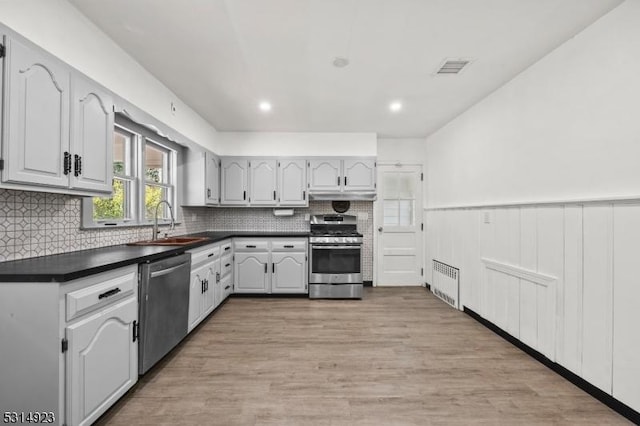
380	229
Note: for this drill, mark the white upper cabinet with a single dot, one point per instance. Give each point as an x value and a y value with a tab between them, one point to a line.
212	178
91	137
325	175
359	175
234	181
263	175
36	117
202	171
292	183
58	130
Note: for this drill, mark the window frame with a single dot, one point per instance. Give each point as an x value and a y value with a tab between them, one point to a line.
139	137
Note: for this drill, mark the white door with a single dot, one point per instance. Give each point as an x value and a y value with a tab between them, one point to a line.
234	181
251	273
399	221
102	361
359	175
263	175
212	178
325	175
292	183
36	112
91	137
289	273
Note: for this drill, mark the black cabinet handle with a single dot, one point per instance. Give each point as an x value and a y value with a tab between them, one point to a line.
80	167
288	246
338	180
265	268
210	254
208	193
345	181
250	246
109	293
77	164
227	265
244	195
227	287
304	195
227	248
67	163
217	277
202	286
273	268
136	328
274	195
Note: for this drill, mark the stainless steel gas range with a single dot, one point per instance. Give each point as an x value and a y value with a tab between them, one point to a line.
335	263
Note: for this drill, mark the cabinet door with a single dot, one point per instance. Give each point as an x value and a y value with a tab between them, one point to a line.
91	137
212	279
251	273
196	291
36	117
325	175
359	175
234	181
263	175
102	361
227	286
292	183
212	179
289	273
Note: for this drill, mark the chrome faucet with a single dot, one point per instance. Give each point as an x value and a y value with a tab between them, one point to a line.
155	221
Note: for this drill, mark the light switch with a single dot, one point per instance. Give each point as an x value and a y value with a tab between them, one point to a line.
306	217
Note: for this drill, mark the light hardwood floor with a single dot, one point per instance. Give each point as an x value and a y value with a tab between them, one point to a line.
398	357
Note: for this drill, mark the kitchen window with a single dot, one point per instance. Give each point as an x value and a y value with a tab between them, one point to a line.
144	173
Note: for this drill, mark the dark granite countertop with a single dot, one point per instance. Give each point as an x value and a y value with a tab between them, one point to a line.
73	265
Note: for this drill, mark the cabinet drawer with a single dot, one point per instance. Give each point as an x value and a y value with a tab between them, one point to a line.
226	265
87	299
225	247
227	287
289	245
246	244
202	254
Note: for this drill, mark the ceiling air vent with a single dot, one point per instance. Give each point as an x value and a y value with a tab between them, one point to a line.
453	66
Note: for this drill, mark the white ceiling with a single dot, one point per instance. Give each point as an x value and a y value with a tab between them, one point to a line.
222	57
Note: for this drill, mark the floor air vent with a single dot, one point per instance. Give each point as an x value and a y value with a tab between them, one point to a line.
446	283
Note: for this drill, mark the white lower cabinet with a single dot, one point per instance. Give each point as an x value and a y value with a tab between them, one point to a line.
270	265
196	295
73	349
251	272
102	361
205	274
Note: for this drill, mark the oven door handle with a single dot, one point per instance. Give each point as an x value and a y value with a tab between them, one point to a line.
358	247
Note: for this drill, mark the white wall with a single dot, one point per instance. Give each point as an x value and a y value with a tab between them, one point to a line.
401	150
559	275
296	144
566	128
62	30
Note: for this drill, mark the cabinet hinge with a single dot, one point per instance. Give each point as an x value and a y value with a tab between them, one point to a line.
422	226
278	164
65	345
421	177
2	51
1	164
421	272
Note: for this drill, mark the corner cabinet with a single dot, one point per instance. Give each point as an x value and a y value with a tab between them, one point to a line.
202	171
58	125
75	351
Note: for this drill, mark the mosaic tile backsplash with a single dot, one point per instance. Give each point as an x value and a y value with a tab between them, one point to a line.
37	224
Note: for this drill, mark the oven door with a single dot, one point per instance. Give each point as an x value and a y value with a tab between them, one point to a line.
335	264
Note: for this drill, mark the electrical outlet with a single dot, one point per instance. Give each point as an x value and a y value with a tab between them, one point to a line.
307	217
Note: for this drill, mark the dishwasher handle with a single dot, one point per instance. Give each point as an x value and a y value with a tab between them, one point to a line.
167	271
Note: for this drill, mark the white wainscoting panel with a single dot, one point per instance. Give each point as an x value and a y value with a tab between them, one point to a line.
597	314
626	301
569	342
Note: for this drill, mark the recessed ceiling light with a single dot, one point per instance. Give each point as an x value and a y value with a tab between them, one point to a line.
395	106
340	62
265	106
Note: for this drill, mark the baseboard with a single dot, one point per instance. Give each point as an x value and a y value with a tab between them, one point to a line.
367	283
597	393
271	295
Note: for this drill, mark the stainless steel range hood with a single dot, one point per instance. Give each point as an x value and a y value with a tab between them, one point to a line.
343	196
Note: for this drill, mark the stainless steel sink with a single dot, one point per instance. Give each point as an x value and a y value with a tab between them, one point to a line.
173	241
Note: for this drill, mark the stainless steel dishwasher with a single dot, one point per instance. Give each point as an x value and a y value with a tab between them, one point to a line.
164	308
